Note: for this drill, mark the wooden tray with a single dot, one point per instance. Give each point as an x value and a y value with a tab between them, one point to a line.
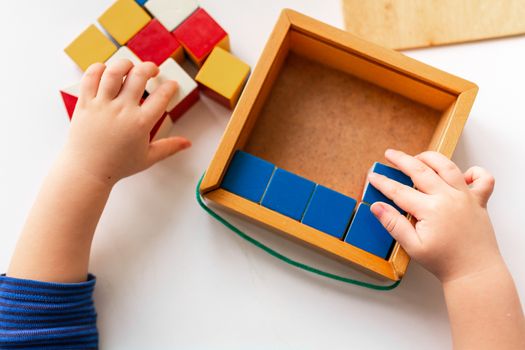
325	105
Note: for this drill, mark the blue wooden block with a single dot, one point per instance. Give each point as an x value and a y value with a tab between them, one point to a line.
288	194
367	233
141	2
247	176
372	195
329	211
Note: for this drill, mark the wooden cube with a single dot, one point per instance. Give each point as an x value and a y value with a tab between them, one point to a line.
124	53
329	211
187	94
171	13
223	76
199	35
154	43
372	195
368	234
248	176
123	20
288	194
90	47
70	98
325	104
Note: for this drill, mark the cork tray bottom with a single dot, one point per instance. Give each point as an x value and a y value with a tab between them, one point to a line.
330	127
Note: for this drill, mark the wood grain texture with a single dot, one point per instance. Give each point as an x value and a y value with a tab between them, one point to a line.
304	234
379	55
404	24
371	71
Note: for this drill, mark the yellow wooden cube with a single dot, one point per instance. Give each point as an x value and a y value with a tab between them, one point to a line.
223	76
124	19
90	47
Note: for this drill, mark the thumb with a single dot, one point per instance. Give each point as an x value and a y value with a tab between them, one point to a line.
397	225
481	183
164	148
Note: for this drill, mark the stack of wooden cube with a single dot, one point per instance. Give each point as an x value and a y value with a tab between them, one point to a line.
164	32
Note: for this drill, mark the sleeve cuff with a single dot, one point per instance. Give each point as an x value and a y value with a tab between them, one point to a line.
34	313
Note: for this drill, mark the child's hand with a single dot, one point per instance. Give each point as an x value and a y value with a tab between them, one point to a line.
453	236
109	136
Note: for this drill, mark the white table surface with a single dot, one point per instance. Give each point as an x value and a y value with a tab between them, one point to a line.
169	276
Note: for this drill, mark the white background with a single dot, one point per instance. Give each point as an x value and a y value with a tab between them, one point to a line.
171	277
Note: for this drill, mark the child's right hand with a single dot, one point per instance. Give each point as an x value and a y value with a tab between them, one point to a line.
453	236
109	137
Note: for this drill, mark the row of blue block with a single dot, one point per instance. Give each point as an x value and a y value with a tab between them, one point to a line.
312	204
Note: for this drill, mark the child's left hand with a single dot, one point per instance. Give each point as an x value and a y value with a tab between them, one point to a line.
109	136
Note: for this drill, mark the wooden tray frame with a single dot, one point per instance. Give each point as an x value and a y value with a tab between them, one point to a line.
338	49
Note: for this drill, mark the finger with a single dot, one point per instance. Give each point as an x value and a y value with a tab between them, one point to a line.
113	77
90	82
481	183
135	83
425	179
164	148
445	168
398	226
157	102
407	198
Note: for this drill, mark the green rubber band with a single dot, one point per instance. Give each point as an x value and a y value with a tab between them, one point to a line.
282	257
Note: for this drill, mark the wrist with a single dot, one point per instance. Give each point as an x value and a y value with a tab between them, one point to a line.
484	269
69	167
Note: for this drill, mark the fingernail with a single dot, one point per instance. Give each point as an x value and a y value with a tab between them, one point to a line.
186	144
372	175
389	152
377	209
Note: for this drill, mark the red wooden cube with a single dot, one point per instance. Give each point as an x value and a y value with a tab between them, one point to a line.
154	43
199	34
70	98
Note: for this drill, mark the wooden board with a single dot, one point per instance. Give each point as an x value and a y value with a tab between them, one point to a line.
404	24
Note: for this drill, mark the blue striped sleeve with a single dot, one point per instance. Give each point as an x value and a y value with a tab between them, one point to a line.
47	315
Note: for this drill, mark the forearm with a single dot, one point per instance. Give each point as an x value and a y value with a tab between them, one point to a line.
485	311
55	243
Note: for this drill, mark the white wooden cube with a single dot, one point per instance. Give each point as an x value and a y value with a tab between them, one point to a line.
171	13
70	97
73	90
122	53
171	70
